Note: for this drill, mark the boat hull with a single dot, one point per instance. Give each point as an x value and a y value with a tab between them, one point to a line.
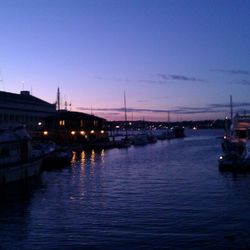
21	171
227	163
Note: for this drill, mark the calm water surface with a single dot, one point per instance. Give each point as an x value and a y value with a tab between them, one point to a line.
168	195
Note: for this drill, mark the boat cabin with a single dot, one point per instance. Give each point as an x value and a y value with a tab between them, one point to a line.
15	145
241	128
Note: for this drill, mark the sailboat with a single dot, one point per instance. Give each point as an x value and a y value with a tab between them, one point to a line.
236	144
126	142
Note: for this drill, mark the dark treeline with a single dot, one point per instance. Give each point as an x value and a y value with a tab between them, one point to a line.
134	125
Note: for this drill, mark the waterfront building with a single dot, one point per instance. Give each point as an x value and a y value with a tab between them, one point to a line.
23	108
67	127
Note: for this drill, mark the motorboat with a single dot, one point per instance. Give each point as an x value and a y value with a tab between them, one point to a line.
140	139
236	145
59	158
17	158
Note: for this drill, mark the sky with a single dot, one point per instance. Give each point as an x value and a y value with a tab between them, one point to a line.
177	57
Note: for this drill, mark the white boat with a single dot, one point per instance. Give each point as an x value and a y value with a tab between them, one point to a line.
236	145
17	159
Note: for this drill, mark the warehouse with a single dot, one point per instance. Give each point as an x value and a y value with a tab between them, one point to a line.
24	109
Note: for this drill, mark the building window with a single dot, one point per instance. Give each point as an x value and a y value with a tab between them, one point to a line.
5	117
62	122
81	123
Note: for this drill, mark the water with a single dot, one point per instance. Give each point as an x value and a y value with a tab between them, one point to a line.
168	195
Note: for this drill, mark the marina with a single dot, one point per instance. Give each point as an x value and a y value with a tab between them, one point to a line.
115	126
165	195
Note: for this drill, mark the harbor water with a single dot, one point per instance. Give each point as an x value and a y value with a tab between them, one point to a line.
166	195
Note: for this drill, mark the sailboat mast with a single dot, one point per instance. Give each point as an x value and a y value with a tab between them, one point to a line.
125	111
58	99
231	108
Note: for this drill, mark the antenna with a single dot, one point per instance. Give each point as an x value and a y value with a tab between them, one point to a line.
58	99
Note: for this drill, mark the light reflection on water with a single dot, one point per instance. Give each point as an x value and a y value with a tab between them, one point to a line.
168	195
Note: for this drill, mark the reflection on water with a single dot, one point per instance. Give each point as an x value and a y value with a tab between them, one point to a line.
74	157
92	158
169	195
83	157
89	157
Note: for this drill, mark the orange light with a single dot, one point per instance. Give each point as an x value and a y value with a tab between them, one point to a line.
45	132
82	132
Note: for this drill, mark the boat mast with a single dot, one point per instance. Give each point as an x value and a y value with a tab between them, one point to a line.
168	118
58	99
228	134
231	108
125	111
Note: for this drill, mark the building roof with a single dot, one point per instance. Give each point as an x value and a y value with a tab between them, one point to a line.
71	115
23	97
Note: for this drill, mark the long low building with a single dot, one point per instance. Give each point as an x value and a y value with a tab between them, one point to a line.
44	121
67	127
23	108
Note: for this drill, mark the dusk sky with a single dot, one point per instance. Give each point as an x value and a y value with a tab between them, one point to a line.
182	56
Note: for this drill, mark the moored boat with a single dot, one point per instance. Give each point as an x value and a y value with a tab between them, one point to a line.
17	159
140	139
59	158
236	145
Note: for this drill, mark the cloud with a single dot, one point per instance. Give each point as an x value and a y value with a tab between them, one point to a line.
142	101
163	76
122	109
244	82
151	81
185	78
184	110
164	79
179	78
232	71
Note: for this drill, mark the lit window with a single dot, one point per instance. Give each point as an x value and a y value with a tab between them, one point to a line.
82	123
62	122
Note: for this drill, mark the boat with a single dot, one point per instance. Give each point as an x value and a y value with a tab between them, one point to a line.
151	137
18	160
59	158
140	139
236	145
178	132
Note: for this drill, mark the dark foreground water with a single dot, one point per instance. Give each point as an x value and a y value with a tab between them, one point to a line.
168	195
